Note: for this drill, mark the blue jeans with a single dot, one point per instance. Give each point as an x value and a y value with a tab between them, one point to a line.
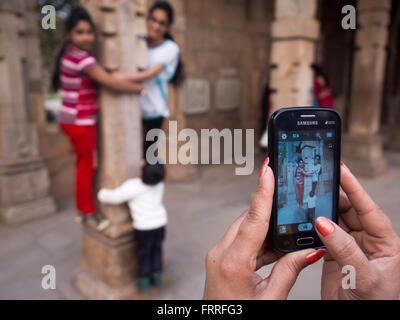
147	125
149	251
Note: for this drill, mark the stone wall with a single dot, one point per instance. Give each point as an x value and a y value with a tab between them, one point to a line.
226	57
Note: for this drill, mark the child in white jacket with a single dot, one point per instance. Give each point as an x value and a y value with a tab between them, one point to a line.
144	197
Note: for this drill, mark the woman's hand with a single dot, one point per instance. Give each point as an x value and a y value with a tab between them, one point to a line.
114	81
232	263
364	239
145	74
118	76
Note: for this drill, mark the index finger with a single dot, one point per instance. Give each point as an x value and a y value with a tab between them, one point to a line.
254	227
371	217
348	213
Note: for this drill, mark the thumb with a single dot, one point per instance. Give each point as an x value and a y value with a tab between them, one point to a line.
254	227
285	272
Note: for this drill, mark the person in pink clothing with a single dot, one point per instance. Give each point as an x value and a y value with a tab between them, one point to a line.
76	75
322	89
299	181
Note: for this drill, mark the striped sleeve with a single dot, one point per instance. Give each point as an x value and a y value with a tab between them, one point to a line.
87	63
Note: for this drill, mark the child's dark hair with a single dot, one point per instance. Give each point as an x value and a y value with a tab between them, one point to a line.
299	159
153	174
76	15
179	75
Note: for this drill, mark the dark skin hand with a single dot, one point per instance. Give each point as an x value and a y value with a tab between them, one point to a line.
364	239
232	263
114	81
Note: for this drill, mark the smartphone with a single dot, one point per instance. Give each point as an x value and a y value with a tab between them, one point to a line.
304	152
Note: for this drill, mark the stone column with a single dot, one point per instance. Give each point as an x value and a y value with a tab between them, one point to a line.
362	146
108	259
294	35
24	182
34	66
257	53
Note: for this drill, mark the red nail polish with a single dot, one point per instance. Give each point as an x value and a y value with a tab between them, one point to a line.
324	226
315	256
264	167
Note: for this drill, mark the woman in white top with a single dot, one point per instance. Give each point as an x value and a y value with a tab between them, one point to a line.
163	66
315	174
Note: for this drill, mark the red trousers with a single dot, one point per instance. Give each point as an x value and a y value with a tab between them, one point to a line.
300	189
83	139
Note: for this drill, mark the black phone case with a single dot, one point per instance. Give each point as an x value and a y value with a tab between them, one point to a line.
271	154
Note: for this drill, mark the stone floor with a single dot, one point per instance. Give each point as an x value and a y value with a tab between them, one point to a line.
199	213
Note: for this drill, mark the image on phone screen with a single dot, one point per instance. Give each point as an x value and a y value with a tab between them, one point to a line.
305	179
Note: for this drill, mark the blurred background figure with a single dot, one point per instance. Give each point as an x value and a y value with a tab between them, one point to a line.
265	110
144	195
163	65
322	91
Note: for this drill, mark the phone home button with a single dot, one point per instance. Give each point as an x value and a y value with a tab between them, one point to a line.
305	241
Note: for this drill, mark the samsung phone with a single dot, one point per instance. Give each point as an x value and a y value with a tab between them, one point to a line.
304	152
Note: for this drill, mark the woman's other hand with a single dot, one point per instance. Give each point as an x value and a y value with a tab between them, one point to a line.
364	239
232	263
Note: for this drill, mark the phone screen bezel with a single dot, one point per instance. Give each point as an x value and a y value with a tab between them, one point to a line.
287	120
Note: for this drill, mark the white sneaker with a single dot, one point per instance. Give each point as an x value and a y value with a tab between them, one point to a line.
91	220
79	218
103	225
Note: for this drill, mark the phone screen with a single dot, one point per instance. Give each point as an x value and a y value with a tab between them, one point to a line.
305	179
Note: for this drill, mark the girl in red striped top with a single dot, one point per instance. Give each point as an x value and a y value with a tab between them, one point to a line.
76	75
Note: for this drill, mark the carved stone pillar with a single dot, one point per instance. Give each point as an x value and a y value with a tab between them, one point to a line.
108	259
24	181
362	146
34	66
294	34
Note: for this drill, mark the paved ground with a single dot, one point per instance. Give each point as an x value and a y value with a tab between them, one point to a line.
199	213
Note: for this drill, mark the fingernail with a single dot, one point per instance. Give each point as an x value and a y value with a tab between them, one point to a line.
324	226
344	166
264	167
315	256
